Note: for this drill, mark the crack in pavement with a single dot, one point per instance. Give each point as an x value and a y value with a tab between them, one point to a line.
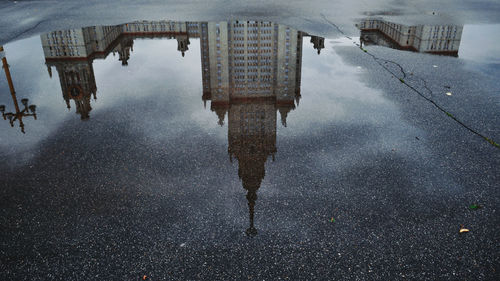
26	31
383	63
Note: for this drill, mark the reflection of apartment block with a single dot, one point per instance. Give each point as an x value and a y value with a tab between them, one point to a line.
239	60
78	43
251	59
439	39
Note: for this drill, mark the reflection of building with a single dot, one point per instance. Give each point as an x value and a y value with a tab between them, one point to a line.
250	59
239	60
72	53
251	70
78	84
318	43
435	39
252	139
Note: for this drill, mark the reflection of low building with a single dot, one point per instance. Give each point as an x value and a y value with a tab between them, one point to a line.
435	39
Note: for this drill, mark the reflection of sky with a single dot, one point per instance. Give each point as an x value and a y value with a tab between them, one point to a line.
31	80
156	69
480	48
148	130
480	43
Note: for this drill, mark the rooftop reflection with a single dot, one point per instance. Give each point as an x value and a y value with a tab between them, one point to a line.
250	71
432	39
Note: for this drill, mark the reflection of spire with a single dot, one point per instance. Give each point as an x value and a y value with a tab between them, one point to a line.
251	198
297	98
318	43
49	70
220	110
77	83
124	49
283	113
182	43
206	96
251	139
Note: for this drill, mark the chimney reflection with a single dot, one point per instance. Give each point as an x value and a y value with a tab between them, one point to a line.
28	110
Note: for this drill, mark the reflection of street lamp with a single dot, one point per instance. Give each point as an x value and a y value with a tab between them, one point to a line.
29	110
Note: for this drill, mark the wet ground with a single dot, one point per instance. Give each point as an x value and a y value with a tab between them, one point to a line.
349	163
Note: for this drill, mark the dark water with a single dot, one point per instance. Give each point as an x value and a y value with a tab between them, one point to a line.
186	154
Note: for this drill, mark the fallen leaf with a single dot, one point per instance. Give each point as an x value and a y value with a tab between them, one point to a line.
475	207
144	277
332	220
463	229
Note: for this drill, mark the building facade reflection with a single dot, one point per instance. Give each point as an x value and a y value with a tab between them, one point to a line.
251	70
433	39
238	59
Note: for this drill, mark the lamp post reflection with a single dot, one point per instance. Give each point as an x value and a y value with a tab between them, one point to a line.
29	110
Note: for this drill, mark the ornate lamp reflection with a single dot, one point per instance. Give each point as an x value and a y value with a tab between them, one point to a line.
29	110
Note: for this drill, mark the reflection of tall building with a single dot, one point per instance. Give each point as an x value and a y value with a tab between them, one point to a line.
251	70
239	60
435	39
252	139
251	59
78	84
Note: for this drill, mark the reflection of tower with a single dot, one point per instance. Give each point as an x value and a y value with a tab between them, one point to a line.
77	84
249	59
182	43
251	70
124	47
318	43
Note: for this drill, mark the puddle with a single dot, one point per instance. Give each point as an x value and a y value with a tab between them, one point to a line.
217	135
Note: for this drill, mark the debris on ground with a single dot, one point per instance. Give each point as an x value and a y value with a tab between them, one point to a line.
475	206
463	229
